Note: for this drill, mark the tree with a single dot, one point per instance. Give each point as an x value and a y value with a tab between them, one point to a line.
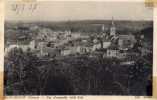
21	72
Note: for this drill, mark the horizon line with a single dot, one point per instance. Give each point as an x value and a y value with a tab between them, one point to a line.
6	20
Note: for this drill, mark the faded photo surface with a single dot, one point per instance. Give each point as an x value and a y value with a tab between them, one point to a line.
78	48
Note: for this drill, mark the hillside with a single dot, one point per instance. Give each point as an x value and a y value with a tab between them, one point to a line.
87	27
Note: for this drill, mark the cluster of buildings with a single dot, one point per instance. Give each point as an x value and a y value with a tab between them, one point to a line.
112	44
59	43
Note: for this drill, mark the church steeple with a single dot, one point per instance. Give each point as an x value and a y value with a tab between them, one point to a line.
113	21
103	28
113	28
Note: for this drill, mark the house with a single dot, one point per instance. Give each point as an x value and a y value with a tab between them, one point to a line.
32	46
95	40
46	48
68	51
112	53
46	34
96	46
106	44
48	51
84	46
76	35
126	41
79	47
83	49
122	54
68	35
9	48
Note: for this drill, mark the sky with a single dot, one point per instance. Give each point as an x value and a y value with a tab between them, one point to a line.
70	10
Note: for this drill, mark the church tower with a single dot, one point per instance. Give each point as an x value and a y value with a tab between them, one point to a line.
113	28
103	28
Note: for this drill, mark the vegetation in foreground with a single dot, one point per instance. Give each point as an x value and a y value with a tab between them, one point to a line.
26	74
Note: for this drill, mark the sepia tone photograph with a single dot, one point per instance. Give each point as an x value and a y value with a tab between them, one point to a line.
78	48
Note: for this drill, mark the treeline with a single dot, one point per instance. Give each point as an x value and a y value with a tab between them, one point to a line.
27	74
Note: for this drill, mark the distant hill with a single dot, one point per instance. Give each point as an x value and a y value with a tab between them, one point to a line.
95	25
89	25
148	34
84	26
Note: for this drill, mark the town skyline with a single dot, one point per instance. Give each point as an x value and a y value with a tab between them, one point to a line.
107	56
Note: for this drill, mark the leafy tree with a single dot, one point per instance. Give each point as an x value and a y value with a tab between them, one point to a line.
21	72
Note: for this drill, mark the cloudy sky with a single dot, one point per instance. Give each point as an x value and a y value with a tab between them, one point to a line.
61	11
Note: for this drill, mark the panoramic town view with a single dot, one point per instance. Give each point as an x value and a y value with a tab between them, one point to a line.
78	57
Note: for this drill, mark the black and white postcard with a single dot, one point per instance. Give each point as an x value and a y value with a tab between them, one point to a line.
78	48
